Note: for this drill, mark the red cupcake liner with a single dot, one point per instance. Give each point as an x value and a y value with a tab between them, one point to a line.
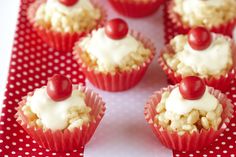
65	140
58	40
187	142
222	82
181	28
136	8
119	81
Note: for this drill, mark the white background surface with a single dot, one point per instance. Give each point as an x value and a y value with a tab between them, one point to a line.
8	18
117	136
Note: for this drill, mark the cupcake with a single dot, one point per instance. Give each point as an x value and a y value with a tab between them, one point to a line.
216	15
200	53
60	116
114	58
62	22
188	116
136	8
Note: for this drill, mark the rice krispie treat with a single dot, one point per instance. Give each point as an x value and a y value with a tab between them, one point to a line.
67	15
114	58
57	106
189	107
136	8
200	53
112	49
207	13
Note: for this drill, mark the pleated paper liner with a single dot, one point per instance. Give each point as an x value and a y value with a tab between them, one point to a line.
59	40
187	142
221	82
119	81
136	9
65	140
174	24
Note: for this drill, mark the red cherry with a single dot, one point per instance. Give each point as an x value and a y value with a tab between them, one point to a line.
192	87
116	29
68	2
199	38
59	87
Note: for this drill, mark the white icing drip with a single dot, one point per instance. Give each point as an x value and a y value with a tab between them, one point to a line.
109	51
212	60
177	104
79	6
53	114
195	6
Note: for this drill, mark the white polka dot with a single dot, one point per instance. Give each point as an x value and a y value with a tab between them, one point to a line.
229	138
56	60
11	86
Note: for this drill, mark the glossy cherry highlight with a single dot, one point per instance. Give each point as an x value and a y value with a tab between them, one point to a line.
116	29
192	87
68	2
59	87
199	38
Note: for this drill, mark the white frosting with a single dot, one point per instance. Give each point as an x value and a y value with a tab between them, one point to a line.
195	6
79	6
109	51
177	104
53	114
212	60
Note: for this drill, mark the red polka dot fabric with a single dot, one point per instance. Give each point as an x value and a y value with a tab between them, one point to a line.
225	145
32	63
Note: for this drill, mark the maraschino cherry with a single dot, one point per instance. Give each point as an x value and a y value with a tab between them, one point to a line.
192	87
199	38
116	29
59	87
68	2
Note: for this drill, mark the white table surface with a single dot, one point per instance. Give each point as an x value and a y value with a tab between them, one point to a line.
8	18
